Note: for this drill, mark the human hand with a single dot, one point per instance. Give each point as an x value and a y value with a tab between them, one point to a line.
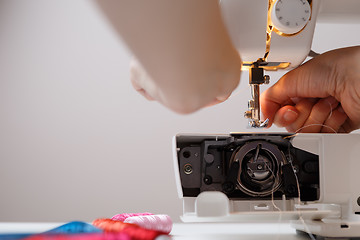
148	88
322	95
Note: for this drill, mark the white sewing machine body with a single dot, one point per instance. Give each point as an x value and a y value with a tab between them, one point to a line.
247	22
263	182
293	25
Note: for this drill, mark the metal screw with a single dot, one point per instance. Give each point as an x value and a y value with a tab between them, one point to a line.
248	114
291	189
228	187
208	180
266	79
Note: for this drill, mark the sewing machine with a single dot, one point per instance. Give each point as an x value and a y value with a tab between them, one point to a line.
244	177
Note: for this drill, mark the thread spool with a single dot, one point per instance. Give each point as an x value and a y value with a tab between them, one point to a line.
74	227
160	223
121	217
83	236
134	231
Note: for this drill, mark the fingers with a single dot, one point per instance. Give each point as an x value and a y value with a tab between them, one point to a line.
269	107
141	81
304	108
142	91
312	115
294	117
329	74
286	116
218	100
306	81
271	102
335	122
319	114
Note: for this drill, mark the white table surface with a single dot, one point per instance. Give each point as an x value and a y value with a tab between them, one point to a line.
208	231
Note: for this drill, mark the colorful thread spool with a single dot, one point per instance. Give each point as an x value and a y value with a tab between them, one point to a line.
83	236
121	217
74	227
134	231
160	223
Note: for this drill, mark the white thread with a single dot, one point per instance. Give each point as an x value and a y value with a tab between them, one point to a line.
315	124
299	198
272	192
319	124
331	110
273	202
298	209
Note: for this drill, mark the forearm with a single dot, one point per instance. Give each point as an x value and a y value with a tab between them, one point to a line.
183	45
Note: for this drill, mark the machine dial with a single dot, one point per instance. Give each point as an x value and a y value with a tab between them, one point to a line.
290	16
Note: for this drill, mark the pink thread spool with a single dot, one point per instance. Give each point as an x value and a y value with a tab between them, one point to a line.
121	217
160	223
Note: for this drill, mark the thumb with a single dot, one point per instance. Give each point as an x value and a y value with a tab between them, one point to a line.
306	81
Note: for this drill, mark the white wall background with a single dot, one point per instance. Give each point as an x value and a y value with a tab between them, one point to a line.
76	141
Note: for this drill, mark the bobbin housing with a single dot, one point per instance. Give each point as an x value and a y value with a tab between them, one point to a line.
247	166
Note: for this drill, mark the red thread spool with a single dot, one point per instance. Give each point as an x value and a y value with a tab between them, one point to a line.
133	231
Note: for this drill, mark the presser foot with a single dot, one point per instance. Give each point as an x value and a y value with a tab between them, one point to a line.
258	124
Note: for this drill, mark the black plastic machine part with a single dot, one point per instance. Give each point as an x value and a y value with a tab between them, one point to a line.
247	166
256	74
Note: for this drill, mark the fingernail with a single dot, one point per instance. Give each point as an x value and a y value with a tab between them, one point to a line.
290	115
